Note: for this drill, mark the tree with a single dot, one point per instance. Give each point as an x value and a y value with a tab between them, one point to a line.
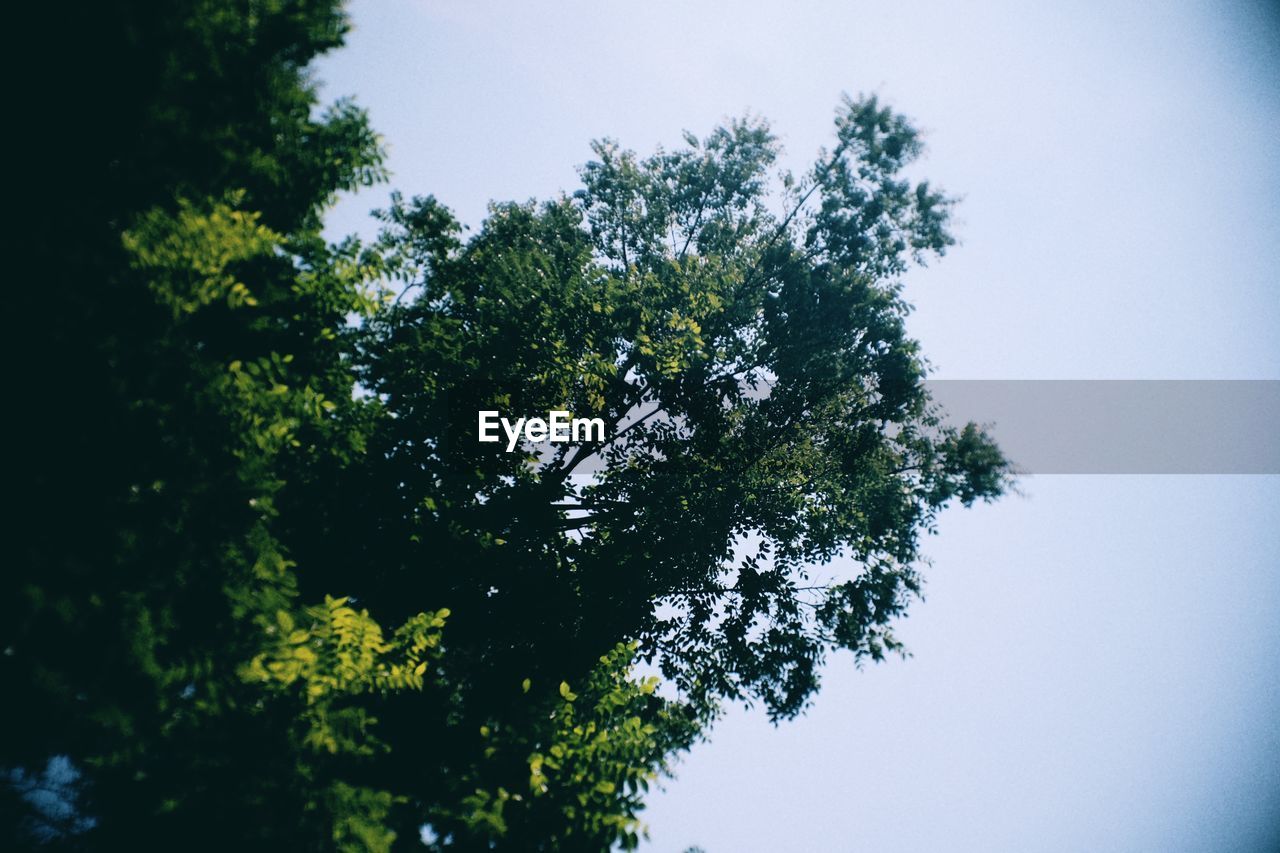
185	349
743	340
270	592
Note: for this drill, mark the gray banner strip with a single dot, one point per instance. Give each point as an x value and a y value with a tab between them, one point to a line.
1085	426
1129	426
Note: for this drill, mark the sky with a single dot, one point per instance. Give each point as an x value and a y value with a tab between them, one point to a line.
1094	666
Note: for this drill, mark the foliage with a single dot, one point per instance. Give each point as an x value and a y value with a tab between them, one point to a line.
743	338
589	759
270	591
742	335
188	331
341	653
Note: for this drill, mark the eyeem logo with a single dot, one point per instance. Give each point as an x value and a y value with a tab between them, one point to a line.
558	428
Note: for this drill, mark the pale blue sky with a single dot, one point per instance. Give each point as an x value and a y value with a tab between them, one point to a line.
1096	664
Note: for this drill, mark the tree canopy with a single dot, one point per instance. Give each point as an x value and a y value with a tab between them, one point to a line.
272	593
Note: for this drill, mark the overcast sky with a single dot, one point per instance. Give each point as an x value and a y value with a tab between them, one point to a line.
1096	663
